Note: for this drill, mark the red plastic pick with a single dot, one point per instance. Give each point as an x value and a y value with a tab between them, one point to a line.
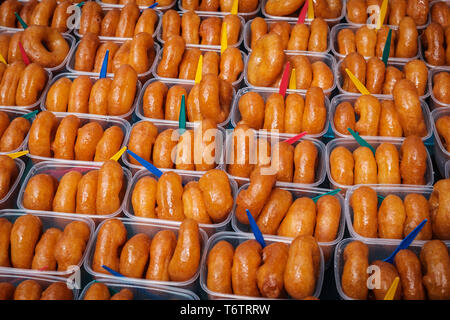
285	79
24	55
297	137
302	15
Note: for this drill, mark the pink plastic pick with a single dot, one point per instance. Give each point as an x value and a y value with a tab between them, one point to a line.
285	79
24	55
297	137
302	15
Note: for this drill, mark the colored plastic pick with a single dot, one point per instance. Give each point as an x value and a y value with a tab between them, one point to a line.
380	197
310	10
407	241
31	114
2	59
285	79
17	154
154	170
293	80
24	55
357	83
118	154
234	7
104	68
255	229
382	13
80	4
316	198
182	116
24	25
114	273
153	5
224	40
302	15
198	73
390	294
360	140
295	138
387	48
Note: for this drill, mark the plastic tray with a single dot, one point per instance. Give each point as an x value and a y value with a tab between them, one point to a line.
120	6
433	101
203	46
331	22
71	76
248	39
161	126
351	145
235	239
187	84
134	227
273	139
384	191
12	114
186	176
447	169
48	221
313	57
8	200
378	250
422	56
145	292
57	170
246	15
265	93
441	154
352	99
16	279
104	38
105	122
299	192
141	76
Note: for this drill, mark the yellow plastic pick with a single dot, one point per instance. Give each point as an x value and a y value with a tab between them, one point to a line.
198	73
293	80
382	14
2	59
310	10
118	154
17	154
224	41
234	7
357	83
392	289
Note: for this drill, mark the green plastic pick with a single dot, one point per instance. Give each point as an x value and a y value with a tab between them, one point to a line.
316	198
31	114
24	25
387	48
182	117
360	140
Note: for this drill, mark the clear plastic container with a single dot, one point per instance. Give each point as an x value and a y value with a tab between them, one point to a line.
328	59
433	101
273	139
422	57
141	292
248	35
161	126
71	76
340	80
186	176
235	239
441	154
352	99
105	122
120	6
246	15
57	170
447	169
44	282
235	84
8	201
12	114
384	191
141	76
203	46
351	145
265	93
294	17
134	227
105	10
299	192
379	249
187	84
48	221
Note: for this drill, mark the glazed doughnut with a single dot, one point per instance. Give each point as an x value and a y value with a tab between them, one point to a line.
57	291
87	193
109	144
375	75
64	143
436	264
387	158
161	252
43	12
368	108
246	262
318	36
7	9
365	39
109	23
293	113
86	51
122	91
327	219
417	72
231	64
243	139
31	83
146	22
210	31
441	87
39	193
169	191
193	104
163	148
364	203
344	117
25	233
354	276
79	94
190	23
274	113
124	294
112	47
346	42
389	125
60	16
219	262
407	39
14	134
305	162
9	83
283	161
97	291
440	13
283	8
91	18
65	196
88	137
41	134
409	270
270	275
381	41
388	273
322	75
142	138
341	166
98	98
171	24
122	55
391	217
215	98
273	212
171	57
14	53
188	66
417	209
258	28
315	113
134	256
28	290
8	174
154	100
439	201
142	52
109	186
283	29
26	12
299	220
357	65
391	77
193	204
413	163
299	38
184	154
365	166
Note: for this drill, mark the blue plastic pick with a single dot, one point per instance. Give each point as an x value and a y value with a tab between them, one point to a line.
316	198
387	48
104	69
154	170
80	4
407	241
380	197
360	140
31	114
255	229
182	116
153	5
114	273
